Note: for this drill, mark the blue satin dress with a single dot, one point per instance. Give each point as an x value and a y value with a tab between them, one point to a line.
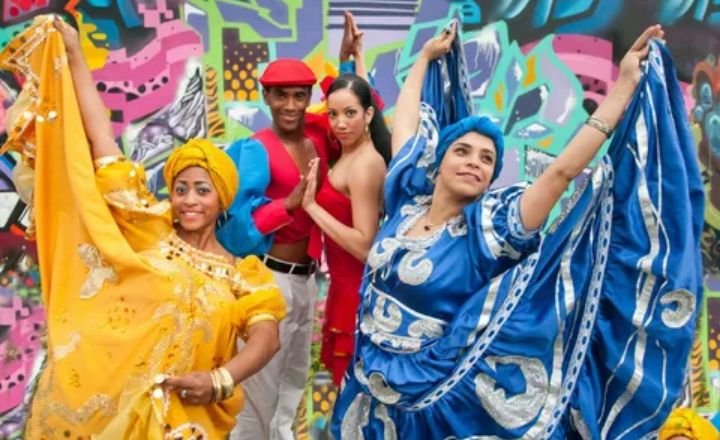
485	330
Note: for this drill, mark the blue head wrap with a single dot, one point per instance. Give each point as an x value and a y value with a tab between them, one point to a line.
480	124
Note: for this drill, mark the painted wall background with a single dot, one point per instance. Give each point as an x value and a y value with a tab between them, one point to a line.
174	69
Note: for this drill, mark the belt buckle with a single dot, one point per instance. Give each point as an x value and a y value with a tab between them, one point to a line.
303	269
298	269
287	267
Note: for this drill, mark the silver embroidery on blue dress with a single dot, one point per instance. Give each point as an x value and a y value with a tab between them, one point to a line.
684	308
356	418
520	409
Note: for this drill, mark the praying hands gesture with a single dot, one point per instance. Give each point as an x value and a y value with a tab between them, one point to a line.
351	44
295	199
311	185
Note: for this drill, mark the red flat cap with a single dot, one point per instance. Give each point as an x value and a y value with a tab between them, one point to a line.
287	72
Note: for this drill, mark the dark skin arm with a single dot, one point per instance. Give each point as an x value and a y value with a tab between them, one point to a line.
262	344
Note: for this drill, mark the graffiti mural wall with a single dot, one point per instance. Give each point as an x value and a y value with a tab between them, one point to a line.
169	70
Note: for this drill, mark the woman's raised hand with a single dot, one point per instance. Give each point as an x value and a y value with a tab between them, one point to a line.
630	64
440	45
69	35
351	44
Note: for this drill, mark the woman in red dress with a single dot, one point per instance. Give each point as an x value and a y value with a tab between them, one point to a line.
347	206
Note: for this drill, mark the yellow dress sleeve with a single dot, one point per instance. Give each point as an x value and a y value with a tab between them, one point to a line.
687	423
258	296
141	218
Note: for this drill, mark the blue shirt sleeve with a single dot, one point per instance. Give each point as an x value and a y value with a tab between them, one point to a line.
237	231
347	67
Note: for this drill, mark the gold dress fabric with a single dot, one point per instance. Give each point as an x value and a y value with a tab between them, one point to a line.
126	298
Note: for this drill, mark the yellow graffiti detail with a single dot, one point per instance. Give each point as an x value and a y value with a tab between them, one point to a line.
216	126
700	395
545	143
316	62
531	73
499	96
96	56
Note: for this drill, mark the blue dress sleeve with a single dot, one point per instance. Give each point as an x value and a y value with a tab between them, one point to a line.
238	232
498	238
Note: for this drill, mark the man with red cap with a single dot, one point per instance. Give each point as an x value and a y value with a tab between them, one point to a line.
267	219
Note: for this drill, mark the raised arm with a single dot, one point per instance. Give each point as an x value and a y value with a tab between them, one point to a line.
407	107
539	199
94	114
365	195
351	46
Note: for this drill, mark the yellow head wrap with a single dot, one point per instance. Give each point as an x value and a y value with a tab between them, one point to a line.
687	423
204	154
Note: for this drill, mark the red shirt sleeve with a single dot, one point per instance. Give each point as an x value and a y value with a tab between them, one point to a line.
272	216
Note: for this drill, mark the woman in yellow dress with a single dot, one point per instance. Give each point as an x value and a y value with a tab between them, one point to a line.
143	304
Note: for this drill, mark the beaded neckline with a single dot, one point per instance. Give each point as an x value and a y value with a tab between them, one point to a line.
211	264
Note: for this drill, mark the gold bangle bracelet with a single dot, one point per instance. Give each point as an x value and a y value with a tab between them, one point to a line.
104	161
217	390
227	383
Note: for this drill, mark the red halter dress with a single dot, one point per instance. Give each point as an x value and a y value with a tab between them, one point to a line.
343	295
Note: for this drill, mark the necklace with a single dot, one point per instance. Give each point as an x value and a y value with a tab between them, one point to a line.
213	265
428	225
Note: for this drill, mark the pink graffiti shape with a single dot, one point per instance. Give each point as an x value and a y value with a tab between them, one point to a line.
18	351
164	57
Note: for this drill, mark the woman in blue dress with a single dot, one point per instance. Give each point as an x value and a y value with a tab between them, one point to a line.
472	327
